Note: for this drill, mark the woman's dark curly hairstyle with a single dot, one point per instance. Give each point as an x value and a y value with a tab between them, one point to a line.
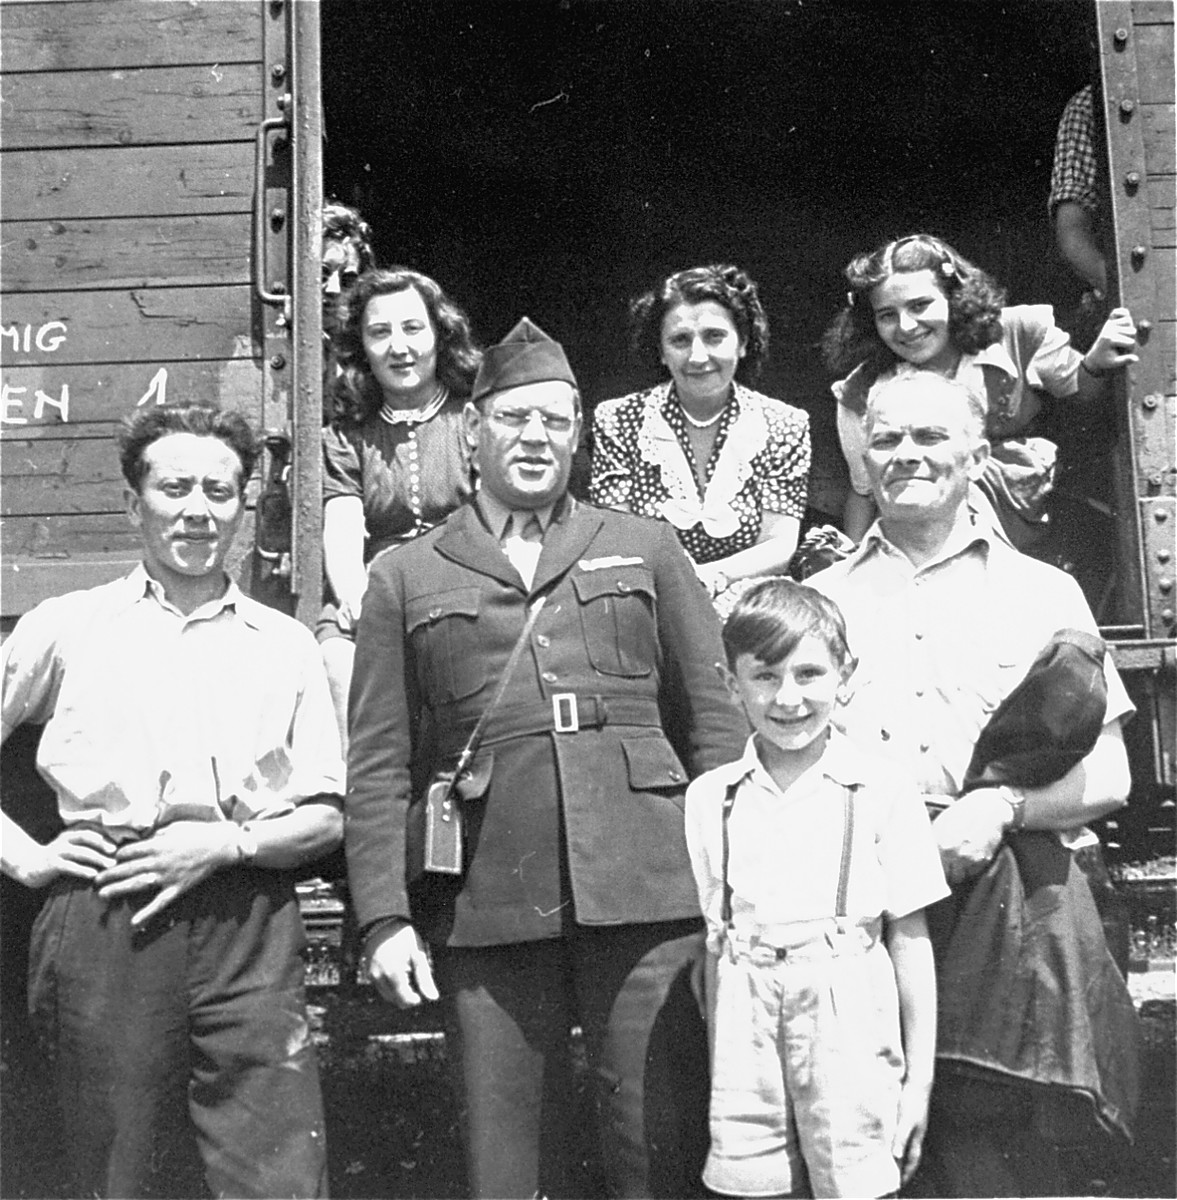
358	395
721	282
200	417
344	224
975	301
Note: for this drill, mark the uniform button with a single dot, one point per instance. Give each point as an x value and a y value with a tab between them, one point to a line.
550	677
924	747
885	735
622	586
919	691
919	635
675	774
543	639
434	613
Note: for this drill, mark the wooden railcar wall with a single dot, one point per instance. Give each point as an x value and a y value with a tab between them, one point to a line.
126	178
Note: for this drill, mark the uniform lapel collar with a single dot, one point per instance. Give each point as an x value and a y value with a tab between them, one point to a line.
466	540
572	530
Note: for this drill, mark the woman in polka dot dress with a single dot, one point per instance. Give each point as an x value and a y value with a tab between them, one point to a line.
726	466
395	457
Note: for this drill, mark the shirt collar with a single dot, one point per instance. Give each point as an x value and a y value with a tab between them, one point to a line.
994	355
840	762
497	515
141	586
970	530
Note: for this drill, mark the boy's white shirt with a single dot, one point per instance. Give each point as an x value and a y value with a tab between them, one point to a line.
785	847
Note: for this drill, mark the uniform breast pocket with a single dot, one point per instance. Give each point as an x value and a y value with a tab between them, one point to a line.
618	620
443	630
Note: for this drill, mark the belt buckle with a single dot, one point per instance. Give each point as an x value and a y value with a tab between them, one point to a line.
565	715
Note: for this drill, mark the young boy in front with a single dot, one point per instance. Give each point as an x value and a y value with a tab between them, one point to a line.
814	864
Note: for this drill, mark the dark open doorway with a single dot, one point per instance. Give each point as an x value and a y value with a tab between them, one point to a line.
552	157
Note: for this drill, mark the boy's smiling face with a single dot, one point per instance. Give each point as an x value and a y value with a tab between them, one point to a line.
789	704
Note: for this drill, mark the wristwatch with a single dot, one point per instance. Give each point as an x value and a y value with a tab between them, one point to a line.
1017	804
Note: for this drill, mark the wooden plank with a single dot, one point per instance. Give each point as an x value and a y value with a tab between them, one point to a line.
169	180
1164	267
132	107
58	537
76	471
71	474
56	255
71	471
1160	153
1152	12
1161	193
1154	59
69	535
24	583
47	394
71	36
129	326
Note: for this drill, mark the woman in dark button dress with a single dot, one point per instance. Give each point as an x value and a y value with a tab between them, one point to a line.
395	458
726	466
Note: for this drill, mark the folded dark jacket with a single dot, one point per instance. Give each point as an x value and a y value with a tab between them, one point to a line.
1027	988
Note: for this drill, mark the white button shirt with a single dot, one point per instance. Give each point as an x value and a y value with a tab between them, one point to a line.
152	716
940	646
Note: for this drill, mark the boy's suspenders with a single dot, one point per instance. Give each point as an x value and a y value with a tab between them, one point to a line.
729	802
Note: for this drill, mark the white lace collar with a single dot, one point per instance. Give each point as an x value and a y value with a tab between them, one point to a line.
657	443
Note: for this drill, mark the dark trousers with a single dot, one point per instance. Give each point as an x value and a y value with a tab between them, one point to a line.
986	1138
509	1011
184	1043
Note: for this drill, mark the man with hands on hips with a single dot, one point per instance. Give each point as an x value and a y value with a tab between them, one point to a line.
190	743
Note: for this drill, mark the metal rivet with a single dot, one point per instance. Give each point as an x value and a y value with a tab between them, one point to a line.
1167	616
1165	584
1132	180
1127	107
277	217
278	361
1163	555
1155	479
278	72
278	288
1144	327
1139	253
1160	516
1150	401
1120	37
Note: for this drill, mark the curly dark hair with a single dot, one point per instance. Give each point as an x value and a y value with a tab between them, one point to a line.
721	282
344	224
975	301
357	394
199	417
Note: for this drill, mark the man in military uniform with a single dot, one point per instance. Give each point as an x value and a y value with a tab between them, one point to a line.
575	902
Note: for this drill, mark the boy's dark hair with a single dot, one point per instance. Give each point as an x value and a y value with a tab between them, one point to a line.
199	417
772	616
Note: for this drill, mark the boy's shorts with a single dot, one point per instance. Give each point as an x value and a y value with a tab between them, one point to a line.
807	1065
